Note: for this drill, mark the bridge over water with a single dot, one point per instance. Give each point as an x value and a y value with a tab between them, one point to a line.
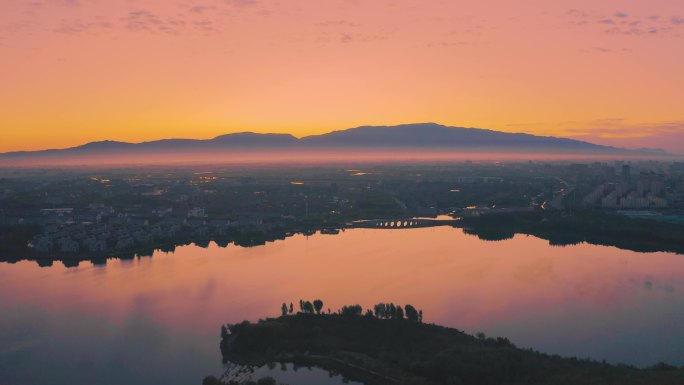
400	223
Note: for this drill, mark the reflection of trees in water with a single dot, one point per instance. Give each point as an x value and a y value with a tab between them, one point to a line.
274	373
247	238
489	234
559	229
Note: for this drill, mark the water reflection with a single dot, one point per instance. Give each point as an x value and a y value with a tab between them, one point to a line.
156	319
282	373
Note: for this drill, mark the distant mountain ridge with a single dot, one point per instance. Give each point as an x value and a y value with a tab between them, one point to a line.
435	135
421	136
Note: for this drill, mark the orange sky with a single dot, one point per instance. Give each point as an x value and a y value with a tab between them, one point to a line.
74	71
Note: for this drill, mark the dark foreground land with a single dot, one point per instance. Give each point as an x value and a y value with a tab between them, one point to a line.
391	351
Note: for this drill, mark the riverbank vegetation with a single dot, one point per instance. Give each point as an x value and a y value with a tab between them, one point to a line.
581	226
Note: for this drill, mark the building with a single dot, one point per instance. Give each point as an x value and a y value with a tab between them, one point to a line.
626	173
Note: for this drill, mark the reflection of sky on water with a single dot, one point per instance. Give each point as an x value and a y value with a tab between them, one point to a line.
293	375
157	319
41	347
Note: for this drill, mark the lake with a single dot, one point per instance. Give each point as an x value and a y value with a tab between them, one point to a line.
157	319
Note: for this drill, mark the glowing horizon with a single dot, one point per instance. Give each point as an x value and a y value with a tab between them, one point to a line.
79	71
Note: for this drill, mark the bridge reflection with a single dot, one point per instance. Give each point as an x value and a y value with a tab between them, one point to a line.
402	223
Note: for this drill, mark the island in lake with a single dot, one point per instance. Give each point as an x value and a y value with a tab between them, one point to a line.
391	345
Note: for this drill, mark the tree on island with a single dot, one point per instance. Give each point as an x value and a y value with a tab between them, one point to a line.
391	311
318	305
380	310
307	307
411	313
393	351
399	314
351	310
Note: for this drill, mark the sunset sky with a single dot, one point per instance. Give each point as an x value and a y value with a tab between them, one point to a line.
74	71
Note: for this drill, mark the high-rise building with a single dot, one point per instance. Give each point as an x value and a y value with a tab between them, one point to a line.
626	173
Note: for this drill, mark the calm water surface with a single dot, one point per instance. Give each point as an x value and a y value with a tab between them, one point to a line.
157	319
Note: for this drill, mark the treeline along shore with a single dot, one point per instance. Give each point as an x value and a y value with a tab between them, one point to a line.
94	214
561	229
571	228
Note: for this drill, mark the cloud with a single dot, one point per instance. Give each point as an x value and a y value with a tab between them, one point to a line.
242	3
337	23
608	50
577	17
621	23
198	18
201	8
77	26
69	3
447	44
346	38
142	20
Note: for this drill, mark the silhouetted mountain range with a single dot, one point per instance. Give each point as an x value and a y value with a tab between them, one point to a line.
419	137
438	136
